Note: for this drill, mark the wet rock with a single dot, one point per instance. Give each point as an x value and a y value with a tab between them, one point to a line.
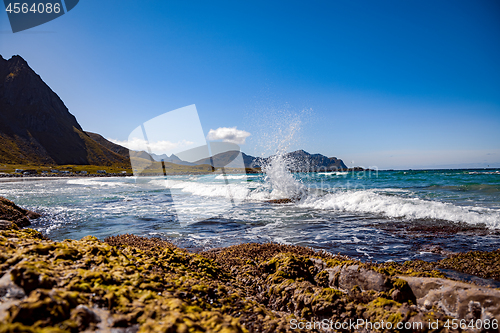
9	211
454	297
397	296
402	291
251	252
347	275
483	264
133	283
139	242
281	201
43	306
22	222
9	290
84	317
31	276
319	264
474	311
437	249
32	215
131	329
366	279
4	225
333	276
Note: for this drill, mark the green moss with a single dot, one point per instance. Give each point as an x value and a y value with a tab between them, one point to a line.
340	262
483	264
151	283
400	284
328	295
289	266
382	302
395	318
322	278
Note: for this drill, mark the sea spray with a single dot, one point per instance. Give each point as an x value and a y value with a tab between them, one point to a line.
277	167
282	182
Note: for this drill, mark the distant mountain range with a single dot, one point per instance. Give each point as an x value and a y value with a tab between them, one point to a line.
37	128
299	160
172	159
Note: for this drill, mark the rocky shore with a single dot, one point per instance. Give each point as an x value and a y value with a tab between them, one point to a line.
13	216
128	283
59	175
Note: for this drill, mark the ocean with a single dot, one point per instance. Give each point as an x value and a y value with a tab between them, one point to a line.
368	215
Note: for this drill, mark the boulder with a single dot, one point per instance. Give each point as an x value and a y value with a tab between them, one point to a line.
366	279
345	277
10	212
4	225
456	299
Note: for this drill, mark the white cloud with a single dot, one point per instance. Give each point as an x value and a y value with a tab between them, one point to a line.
158	147
228	134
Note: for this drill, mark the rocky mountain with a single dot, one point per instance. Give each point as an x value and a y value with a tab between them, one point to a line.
120	150
220	160
172	159
299	160
37	128
303	161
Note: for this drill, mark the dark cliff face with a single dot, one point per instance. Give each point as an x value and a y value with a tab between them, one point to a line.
301	160
315	162
36	126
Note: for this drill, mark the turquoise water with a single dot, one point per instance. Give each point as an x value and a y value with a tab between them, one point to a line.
380	216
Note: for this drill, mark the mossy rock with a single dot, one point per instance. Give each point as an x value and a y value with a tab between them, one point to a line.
150	285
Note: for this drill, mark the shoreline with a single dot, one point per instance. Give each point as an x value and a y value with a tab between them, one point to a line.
247	171
20	179
129	283
42	176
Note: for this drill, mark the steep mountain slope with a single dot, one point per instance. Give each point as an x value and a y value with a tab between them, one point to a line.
37	128
120	150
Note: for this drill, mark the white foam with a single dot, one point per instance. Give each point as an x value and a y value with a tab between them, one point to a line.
213	190
395	190
162	182
50	228
95	182
238	191
231	177
367	201
336	173
484	173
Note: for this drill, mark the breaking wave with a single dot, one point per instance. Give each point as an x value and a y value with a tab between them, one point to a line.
367	201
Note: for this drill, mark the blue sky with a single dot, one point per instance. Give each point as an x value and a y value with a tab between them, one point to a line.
392	84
